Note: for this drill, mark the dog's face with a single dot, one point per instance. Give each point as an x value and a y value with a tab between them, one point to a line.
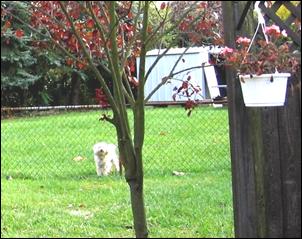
100	150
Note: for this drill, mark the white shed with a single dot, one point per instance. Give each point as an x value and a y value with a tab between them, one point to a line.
195	56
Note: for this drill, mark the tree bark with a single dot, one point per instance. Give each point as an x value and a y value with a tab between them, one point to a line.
138	208
75	89
132	162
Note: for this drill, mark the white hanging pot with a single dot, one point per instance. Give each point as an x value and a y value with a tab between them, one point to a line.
264	90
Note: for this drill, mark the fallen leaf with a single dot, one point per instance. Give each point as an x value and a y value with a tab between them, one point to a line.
78	158
176	173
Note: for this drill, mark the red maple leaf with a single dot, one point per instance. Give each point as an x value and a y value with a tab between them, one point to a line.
19	33
163	5
90	23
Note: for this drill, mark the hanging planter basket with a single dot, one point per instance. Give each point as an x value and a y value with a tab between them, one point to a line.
264	90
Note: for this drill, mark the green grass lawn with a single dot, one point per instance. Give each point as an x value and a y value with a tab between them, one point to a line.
50	195
188	206
47	145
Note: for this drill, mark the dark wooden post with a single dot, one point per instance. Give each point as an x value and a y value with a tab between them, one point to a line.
265	153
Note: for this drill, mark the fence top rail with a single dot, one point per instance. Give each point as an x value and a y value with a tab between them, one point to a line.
64	107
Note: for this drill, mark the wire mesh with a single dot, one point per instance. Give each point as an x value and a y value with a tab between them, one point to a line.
58	141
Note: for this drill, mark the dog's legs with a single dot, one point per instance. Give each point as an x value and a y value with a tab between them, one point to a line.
107	168
98	166
116	164
99	170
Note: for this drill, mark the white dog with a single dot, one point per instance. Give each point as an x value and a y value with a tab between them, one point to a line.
105	157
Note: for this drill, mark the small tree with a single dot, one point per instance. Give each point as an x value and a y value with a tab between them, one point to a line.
106	37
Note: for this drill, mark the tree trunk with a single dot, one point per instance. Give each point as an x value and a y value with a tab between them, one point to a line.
131	149
132	162
138	208
75	89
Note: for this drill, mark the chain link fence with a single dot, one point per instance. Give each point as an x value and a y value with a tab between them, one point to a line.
57	141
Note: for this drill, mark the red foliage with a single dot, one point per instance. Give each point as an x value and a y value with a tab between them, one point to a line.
203	24
265	58
69	62
188	90
50	15
80	65
7	24
19	33
163	5
101	98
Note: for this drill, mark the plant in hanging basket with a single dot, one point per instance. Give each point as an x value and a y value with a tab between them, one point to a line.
263	71
265	57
